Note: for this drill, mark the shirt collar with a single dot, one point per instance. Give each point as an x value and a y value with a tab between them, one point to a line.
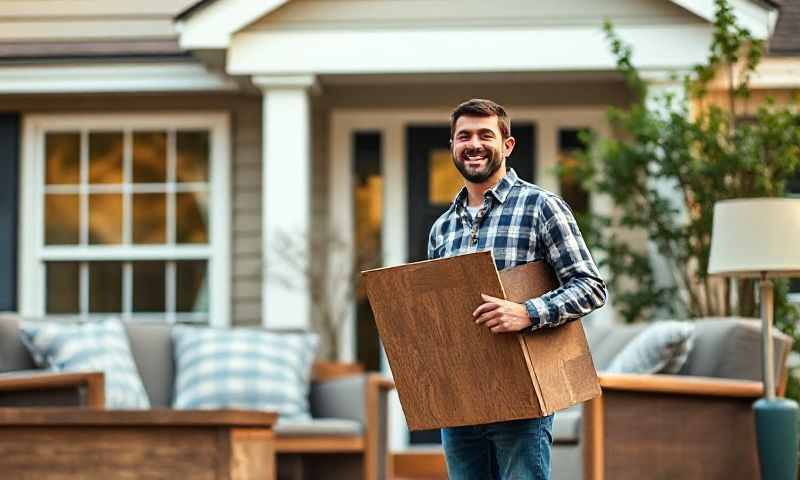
500	190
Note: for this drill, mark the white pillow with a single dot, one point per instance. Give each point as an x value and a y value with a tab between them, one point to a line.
663	347
96	346
243	368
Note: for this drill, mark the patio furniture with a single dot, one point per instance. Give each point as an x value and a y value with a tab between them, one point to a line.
89	443
346	438
696	424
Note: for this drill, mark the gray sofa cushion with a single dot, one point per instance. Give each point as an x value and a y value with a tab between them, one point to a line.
318	426
567	425
607	343
13	354
151	346
731	348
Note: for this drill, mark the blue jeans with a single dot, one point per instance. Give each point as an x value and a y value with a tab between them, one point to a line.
515	450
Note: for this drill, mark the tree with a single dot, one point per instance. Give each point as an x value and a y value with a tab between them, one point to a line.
666	165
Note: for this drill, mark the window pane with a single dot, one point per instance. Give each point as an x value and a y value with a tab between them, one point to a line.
62	219
192	156
149	218
105	218
192	217
191	287
149	157
105	157
63	158
368	194
445	181
149	287
63	281
105	287
570	145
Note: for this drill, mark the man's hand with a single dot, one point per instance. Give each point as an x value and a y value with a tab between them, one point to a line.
501	315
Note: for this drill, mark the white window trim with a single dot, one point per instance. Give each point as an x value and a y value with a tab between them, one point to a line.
31	298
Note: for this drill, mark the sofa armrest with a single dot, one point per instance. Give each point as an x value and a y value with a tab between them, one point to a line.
671	427
43	388
363	398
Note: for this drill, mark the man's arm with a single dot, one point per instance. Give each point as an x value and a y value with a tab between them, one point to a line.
582	290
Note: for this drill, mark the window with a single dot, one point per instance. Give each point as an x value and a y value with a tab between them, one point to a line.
127	215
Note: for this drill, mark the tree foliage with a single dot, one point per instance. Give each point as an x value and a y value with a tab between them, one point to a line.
670	158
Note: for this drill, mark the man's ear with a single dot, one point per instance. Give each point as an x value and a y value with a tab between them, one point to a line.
509	144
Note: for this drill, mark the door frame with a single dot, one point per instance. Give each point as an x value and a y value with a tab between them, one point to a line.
391	124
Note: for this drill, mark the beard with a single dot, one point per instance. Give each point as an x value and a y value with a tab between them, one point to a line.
493	161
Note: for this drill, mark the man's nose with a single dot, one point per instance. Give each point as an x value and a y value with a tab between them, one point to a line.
475	142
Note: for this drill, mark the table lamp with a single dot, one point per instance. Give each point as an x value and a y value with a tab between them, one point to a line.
760	238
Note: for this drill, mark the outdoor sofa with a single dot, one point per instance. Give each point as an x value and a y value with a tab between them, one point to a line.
347	437
697	424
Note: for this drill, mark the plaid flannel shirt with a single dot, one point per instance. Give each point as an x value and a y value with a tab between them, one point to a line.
521	222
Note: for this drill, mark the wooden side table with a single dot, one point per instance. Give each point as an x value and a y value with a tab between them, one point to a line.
72	443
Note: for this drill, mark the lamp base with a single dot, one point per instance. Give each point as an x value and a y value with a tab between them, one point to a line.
776	431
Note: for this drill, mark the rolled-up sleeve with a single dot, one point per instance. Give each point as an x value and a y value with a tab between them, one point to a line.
581	288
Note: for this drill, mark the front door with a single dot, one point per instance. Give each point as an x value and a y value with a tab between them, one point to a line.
433	182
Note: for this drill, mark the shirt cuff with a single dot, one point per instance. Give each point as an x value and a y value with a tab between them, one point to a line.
539	313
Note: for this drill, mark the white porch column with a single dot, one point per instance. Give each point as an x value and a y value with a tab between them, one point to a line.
286	199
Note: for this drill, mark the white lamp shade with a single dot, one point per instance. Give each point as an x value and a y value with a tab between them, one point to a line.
756	235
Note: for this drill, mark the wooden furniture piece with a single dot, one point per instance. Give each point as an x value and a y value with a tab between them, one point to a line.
422	307
81	388
86	443
87	389
670	427
366	444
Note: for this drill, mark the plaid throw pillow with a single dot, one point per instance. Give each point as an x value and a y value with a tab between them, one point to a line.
243	368
662	347
96	346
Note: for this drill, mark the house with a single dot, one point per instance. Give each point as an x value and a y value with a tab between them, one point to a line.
156	155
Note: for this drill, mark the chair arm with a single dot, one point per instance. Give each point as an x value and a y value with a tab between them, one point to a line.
671	427
363	398
44	388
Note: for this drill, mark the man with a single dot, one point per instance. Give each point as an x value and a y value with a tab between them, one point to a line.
520	223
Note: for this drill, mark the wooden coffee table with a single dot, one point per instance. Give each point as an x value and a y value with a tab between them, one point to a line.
72	443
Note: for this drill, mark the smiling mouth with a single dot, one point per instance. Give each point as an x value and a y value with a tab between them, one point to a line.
473	160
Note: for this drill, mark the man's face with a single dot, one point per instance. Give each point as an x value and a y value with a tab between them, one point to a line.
478	147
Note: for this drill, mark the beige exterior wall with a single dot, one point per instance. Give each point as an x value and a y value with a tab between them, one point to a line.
322	14
60	20
245	163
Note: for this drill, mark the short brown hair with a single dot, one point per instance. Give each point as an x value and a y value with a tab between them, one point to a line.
479	107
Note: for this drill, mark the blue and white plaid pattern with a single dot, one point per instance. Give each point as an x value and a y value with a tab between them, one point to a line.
521	222
243	368
97	346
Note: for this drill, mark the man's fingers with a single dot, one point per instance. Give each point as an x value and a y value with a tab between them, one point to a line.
485	307
501	327
488	316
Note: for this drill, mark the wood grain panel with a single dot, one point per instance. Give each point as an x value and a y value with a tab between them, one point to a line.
67	417
252	453
678	437
55	453
448	370
562	367
681	384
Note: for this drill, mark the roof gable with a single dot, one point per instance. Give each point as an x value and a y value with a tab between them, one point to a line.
210	24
